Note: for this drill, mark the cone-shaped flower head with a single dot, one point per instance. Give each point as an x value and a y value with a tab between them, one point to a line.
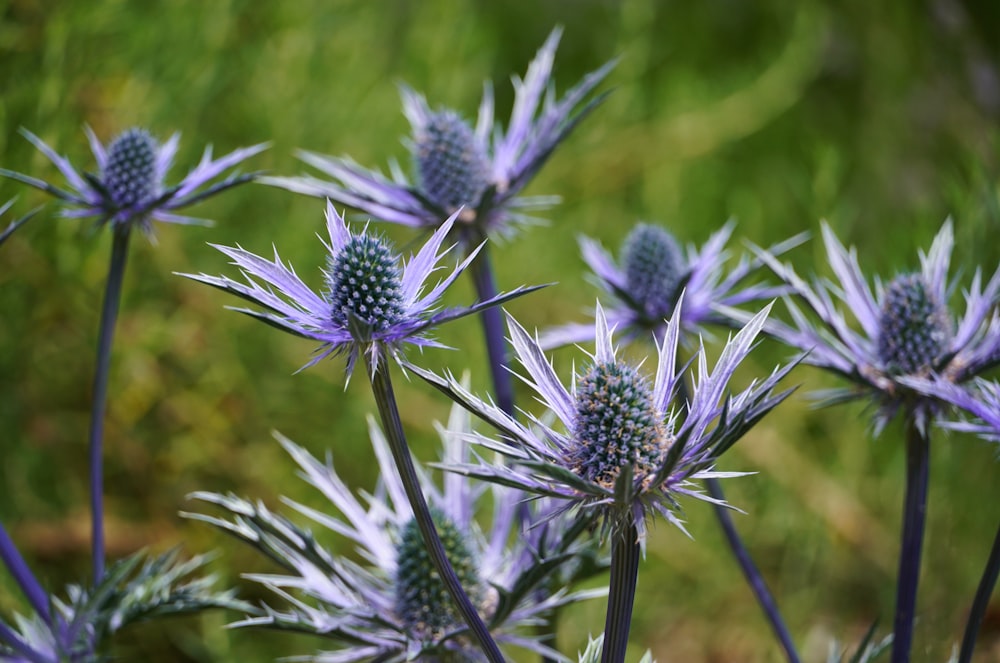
625	449
913	326
907	339
452	165
372	300
649	276
422	600
130	188
479	170
393	606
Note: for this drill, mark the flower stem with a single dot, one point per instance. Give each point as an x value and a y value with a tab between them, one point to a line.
109	314
26	580
385	399
981	601
493	329
914	516
625	551
751	572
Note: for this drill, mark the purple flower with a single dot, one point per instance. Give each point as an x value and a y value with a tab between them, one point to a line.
476	172
392	605
625	448
370	301
129	188
907	339
649	276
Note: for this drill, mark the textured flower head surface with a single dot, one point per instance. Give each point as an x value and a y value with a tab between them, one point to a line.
907	336
393	606
653	270
479	171
129	188
625	449
371	300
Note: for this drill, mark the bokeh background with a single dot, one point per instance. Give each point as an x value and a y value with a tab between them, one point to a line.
879	117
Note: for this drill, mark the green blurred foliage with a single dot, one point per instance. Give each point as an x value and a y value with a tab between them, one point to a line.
880	117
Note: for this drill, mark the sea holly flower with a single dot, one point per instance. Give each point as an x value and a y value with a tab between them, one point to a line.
371	301
475	172
626	449
129	188
392	606
651	272
908	338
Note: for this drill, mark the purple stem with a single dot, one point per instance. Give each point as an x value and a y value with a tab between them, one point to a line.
914	517
981	601
14	641
493	329
625	551
385	399
751	572
109	315
26	580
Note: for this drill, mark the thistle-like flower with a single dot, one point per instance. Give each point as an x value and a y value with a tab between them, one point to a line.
652	271
393	606
129	188
371	301
479	171
627	449
907	340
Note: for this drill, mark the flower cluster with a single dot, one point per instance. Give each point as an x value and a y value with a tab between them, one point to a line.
452	560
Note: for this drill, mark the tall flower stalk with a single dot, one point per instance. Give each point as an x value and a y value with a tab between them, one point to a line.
385	399
99	399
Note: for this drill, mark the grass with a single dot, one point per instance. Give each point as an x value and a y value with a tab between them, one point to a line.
866	115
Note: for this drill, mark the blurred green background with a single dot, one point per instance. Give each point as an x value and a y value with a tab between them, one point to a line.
879	117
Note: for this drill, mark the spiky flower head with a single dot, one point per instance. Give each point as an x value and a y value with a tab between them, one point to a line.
479	170
392	606
906	339
452	164
372	301
654	269
130	189
626	449
913	326
651	272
